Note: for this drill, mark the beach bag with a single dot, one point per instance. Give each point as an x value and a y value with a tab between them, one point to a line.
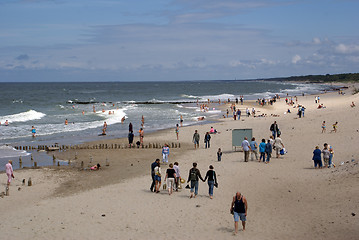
164	186
282	151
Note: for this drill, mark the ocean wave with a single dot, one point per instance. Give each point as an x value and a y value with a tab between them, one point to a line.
8	152
23	117
190	96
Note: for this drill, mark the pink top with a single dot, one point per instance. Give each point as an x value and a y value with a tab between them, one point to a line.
212	130
8	167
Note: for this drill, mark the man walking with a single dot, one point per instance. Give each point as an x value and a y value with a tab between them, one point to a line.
246	147
274	128
194	175
153	165
196	139
239	209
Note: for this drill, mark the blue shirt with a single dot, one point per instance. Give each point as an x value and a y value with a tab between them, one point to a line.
317	154
268	148
262	147
253	145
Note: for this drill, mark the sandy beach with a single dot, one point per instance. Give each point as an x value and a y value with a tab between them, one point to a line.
287	198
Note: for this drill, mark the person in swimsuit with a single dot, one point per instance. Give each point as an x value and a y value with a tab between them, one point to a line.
239	208
33	131
177	130
323	127
181	120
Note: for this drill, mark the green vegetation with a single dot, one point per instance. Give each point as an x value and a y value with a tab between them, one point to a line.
345	77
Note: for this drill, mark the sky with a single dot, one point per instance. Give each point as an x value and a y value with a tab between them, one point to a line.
173	40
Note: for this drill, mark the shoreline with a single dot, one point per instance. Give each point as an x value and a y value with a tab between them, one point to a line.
308	203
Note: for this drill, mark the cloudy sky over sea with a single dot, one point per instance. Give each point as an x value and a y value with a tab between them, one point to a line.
115	40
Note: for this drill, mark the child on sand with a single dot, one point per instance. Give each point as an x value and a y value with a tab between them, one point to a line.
335	125
219	155
323	127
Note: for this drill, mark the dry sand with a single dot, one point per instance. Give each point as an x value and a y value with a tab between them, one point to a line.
287	199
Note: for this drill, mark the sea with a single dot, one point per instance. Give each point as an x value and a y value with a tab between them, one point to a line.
86	106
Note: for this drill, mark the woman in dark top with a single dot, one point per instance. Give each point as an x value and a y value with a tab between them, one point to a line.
212	180
171	178
317	158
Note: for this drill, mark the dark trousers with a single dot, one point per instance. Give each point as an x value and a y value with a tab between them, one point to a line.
153	181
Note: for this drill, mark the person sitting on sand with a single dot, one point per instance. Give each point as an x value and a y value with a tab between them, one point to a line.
96	167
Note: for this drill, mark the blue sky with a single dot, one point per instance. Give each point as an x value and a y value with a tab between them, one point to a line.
140	40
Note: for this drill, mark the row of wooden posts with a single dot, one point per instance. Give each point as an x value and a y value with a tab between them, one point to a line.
97	146
7	188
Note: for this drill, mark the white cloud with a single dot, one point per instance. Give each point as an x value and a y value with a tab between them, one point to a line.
316	41
346	49
296	59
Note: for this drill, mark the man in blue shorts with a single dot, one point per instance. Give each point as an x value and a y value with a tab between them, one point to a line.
239	209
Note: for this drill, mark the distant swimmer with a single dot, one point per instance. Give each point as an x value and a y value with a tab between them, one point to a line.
93	108
105	126
6	123
143	121
181	120
123	119
33	131
66	122
200	118
109	112
103	110
83	112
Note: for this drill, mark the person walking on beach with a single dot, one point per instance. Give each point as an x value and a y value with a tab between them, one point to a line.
194	175
196	139
246	147
171	178
239	114
254	149
262	150
207	139
323	127
181	120
274	128
219	155
326	155
317	158
157	177
130	138
33	131
178	175
177	130
278	145
239	208
153	166
268	150
165	153
9	172
212	180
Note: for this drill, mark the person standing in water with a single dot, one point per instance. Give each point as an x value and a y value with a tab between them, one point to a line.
33	131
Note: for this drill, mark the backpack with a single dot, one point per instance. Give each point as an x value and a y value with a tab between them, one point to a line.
193	174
